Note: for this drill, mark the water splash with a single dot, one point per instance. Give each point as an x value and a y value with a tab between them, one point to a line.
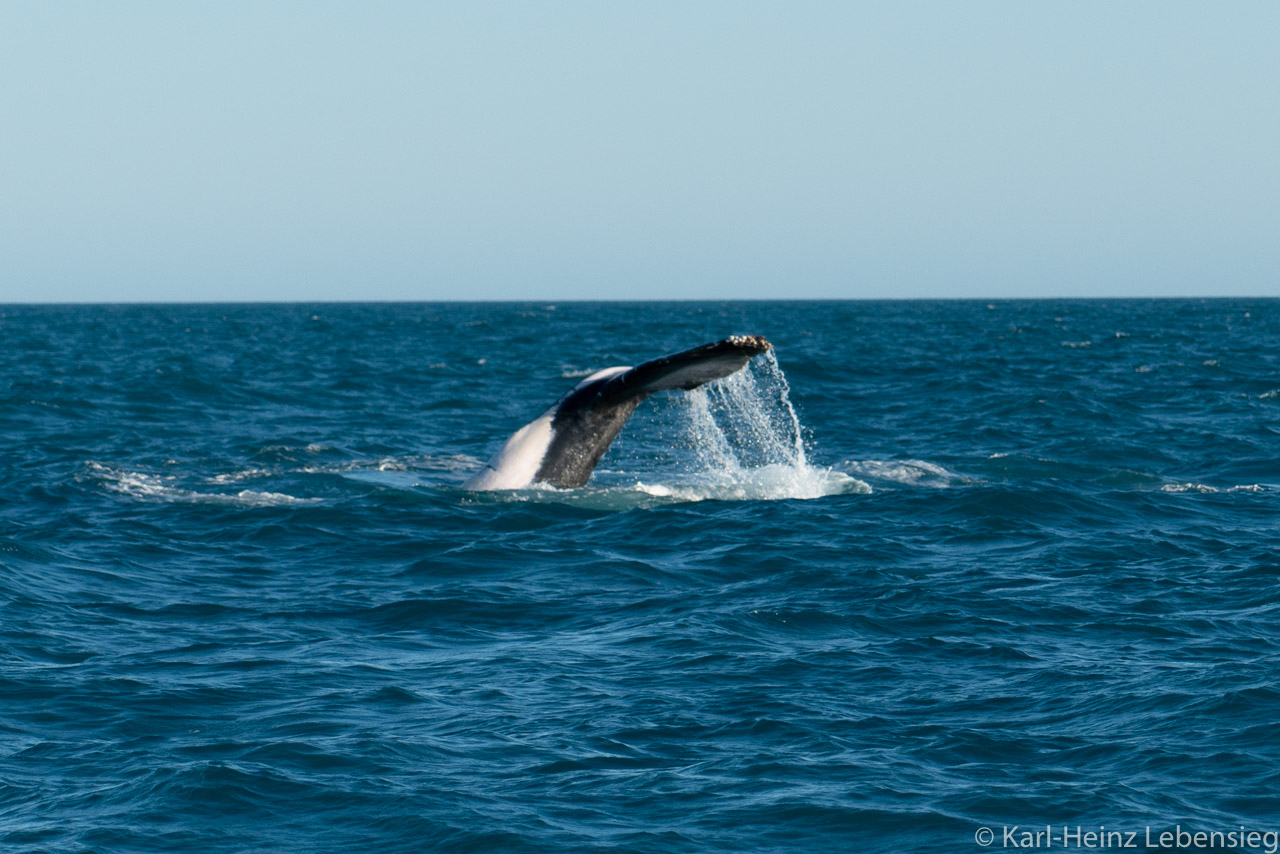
736	439
746	420
746	442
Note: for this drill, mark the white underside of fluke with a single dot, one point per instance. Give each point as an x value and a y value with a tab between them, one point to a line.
516	465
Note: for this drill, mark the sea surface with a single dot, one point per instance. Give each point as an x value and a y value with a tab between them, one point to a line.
927	568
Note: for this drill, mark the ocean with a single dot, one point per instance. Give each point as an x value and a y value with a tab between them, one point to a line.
931	576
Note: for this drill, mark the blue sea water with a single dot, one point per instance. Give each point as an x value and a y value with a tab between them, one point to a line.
1020	569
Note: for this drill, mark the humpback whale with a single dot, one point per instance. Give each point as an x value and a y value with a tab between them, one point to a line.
562	446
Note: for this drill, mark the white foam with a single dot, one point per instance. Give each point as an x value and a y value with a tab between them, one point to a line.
1188	487
760	485
1205	488
453	463
235	476
907	472
767	483
152	487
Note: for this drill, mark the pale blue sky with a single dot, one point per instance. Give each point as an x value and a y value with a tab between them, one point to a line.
562	150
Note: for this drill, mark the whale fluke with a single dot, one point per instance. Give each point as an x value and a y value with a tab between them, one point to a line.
563	445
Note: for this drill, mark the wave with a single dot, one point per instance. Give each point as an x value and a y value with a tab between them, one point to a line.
1206	489
906	472
153	487
391	470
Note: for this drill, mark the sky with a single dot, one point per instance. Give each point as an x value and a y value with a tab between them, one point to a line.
231	151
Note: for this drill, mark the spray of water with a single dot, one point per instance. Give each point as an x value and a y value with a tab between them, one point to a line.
745	441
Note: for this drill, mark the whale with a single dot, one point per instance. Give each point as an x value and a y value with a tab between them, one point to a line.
562	446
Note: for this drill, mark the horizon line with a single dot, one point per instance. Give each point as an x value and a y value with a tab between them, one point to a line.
581	301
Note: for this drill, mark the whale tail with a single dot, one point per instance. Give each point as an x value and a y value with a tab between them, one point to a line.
563	445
